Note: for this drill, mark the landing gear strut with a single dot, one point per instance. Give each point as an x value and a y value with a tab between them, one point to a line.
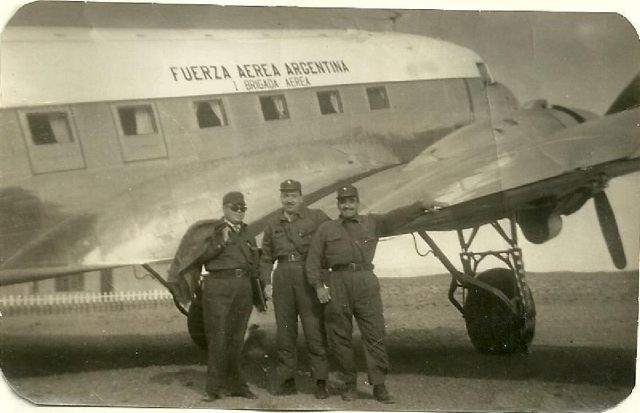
497	304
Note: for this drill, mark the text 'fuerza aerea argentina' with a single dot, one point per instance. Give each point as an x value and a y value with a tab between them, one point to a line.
260	76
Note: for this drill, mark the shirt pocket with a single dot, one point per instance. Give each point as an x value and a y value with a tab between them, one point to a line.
304	234
278	233
337	247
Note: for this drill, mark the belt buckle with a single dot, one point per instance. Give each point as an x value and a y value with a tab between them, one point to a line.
352	266
239	272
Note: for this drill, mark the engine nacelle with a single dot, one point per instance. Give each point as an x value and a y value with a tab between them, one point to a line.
539	225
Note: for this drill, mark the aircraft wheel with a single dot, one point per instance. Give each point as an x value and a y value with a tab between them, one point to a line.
195	324
491	326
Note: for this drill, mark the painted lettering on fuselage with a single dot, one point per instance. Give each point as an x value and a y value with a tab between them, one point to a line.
298	81
257	70
199	73
260	84
316	68
261	76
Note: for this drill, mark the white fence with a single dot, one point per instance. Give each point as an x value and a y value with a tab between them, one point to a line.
82	301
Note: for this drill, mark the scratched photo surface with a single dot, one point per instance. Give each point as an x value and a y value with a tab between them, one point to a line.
122	125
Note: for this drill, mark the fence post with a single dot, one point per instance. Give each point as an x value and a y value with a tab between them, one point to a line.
10	304
83	301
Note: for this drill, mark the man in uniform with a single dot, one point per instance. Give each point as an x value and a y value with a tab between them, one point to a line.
286	239
347	246
230	256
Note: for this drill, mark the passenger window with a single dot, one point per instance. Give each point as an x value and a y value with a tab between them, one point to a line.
378	98
210	113
50	127
484	74
140	131
274	107
52	139
137	120
330	102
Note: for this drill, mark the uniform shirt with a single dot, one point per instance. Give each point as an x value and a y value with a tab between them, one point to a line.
343	240
239	251
284	237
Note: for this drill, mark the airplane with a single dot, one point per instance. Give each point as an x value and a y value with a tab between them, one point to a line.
115	140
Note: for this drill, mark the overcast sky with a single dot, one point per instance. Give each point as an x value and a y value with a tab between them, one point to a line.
575	59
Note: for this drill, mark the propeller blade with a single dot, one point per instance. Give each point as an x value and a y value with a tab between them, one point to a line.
609	227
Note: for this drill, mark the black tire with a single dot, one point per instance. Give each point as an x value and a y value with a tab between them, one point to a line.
195	324
491	325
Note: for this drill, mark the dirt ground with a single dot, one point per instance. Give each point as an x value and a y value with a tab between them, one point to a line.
582	358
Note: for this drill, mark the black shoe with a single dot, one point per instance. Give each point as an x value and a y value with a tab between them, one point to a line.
321	390
287	388
244	392
381	394
351	392
212	397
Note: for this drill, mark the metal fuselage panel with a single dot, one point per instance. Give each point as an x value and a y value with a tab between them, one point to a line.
107	198
58	65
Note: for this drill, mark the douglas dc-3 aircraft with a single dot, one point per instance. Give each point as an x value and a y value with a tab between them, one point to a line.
115	140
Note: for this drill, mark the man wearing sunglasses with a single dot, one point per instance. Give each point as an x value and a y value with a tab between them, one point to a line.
230	259
286	240
347	246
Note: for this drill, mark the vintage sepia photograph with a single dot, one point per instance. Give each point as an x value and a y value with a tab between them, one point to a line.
318	208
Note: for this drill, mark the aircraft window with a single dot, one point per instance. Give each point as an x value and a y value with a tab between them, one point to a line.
274	107
378	98
330	102
51	138
210	113
484	74
50	127
70	283
137	120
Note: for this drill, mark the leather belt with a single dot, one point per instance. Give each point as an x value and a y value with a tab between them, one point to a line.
352	266
229	273
291	258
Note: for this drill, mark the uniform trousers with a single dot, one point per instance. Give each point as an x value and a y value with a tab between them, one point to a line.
356	294
293	297
227	304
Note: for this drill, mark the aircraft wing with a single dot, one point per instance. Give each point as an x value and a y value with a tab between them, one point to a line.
20	275
521	166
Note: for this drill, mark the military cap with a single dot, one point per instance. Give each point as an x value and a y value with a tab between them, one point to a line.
234	198
347	191
291	185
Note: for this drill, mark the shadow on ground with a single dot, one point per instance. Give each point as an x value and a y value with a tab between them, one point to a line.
560	364
411	352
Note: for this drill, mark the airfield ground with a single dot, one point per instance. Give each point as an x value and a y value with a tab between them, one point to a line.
582	358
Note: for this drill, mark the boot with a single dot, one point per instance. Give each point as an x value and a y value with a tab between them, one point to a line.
244	392
381	394
321	389
212	396
286	388
351	392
